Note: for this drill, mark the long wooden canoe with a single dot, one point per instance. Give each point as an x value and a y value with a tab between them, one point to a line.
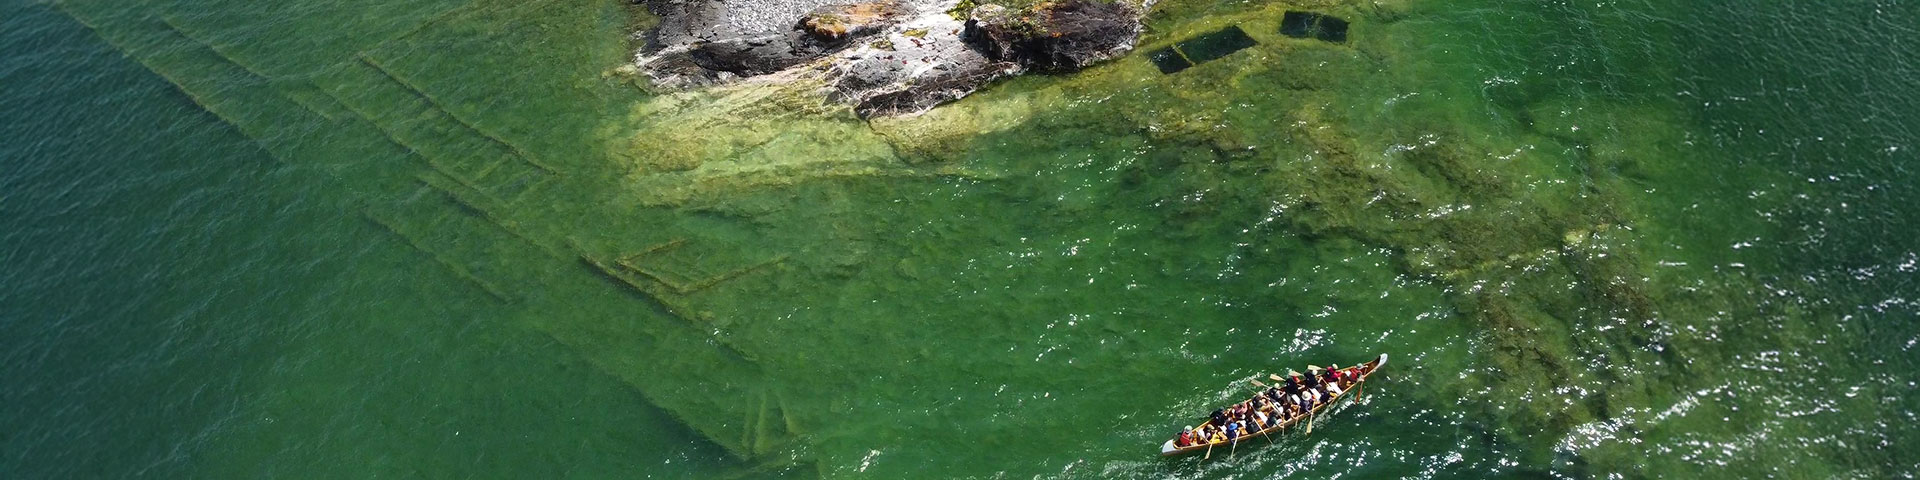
1169	450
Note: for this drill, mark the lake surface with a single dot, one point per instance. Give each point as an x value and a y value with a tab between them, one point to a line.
450	238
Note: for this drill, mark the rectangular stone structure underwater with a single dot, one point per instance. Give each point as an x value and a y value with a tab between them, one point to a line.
1309	24
1212	46
1169	61
1201	49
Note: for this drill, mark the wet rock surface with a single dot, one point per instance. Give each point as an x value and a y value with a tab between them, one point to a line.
893	57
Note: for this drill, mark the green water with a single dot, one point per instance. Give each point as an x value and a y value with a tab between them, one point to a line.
450	239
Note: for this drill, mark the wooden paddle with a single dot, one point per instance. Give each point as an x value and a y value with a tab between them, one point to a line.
1209	450
1256	382
1310	413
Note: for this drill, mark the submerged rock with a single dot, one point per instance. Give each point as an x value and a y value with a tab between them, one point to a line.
888	57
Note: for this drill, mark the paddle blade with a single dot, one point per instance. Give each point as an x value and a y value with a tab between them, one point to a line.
1257	383
1276	378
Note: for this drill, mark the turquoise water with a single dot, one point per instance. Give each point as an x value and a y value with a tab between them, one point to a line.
345	239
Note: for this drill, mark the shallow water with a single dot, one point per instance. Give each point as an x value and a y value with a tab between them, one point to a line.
448	239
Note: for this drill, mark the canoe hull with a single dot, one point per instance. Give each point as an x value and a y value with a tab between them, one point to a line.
1169	450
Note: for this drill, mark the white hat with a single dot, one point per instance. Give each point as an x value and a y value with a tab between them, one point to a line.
1189	429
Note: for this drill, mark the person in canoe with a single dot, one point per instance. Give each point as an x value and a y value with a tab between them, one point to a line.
1348	376
1289	399
1332	379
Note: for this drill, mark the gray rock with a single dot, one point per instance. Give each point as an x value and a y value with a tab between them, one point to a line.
1055	36
834	23
699	40
885	57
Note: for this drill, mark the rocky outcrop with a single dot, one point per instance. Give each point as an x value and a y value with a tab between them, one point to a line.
701	42
923	63
1055	36
837	22
887	57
